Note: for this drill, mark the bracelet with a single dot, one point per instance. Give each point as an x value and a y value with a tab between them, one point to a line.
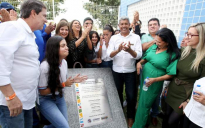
11	97
186	101
63	84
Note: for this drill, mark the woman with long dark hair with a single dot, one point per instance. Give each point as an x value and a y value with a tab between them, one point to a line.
93	61
79	43
104	43
53	78
160	64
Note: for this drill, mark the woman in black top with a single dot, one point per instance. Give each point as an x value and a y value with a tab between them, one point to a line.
79	44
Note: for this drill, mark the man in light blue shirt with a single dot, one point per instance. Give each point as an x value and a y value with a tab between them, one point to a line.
148	39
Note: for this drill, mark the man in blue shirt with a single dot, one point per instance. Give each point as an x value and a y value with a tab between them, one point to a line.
41	38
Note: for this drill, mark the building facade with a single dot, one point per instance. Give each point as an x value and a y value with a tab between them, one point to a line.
178	15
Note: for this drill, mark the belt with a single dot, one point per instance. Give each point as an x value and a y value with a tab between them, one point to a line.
179	82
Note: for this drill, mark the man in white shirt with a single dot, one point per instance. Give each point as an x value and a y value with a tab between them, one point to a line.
125	48
19	65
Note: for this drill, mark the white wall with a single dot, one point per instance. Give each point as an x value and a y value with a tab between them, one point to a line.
169	12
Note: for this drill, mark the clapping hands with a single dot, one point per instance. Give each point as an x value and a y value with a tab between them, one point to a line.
87	30
77	79
50	28
101	40
136	16
124	46
8	16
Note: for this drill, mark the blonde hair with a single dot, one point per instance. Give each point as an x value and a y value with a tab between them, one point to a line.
200	49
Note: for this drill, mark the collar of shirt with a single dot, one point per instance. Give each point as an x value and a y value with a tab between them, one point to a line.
150	36
130	34
25	25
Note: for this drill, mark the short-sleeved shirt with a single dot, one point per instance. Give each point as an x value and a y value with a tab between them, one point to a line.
160	62
44	69
104	56
146	38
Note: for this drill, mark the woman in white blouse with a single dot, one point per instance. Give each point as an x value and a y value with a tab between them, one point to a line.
195	109
103	45
53	78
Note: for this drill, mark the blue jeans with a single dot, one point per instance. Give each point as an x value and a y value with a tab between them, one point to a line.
88	65
130	88
106	64
23	120
54	110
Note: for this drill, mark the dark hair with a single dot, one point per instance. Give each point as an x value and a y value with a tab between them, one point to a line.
154	19
52	57
62	24
63	19
91	34
109	28
87	18
168	36
30	5
116	31
71	33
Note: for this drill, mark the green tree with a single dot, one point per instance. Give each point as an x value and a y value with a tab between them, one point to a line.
48	3
104	11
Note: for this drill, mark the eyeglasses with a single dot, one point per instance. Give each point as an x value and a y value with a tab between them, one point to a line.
189	35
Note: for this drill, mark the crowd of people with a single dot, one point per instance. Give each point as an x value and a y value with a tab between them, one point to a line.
33	68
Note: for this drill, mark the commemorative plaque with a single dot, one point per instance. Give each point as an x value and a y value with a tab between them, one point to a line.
94	103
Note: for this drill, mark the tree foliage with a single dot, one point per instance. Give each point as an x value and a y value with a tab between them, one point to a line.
48	3
104	11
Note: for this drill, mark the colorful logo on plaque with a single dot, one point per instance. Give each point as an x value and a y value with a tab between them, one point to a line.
89	121
79	105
